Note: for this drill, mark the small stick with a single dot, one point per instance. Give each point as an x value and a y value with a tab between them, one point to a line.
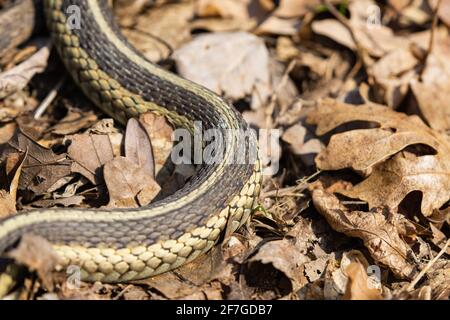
432	31
48	99
362	53
428	266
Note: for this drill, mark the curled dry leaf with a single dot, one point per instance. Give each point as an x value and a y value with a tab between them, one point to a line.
288	255
358	284
377	229
38	255
351	279
366	149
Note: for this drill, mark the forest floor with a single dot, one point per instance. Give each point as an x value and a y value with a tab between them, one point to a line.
350	100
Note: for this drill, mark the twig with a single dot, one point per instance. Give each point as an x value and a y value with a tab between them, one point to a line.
432	31
428	266
362	54
121	293
48	99
293	190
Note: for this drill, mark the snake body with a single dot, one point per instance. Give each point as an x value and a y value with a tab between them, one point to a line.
129	244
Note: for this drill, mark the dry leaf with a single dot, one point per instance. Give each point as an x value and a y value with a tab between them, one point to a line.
392	75
433	90
367	149
138	147
169	29
302	143
14	164
288	255
362	149
444	11
170	285
129	185
160	133
73	122
38	255
65	202
439	238
438	279
399	4
7	204
42	168
295	8
358	284
390	182
369	31
89	153
232	64
223	8
335	30
367	28
7	131
135	293
377	229
351	280
228	15
284	92
279	26
315	268
17	78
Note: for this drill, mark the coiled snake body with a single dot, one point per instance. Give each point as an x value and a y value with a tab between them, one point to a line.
130	244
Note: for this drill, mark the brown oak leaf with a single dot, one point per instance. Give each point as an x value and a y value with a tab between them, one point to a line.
392	175
379	230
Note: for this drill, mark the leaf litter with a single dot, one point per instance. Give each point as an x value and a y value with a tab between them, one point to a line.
359	205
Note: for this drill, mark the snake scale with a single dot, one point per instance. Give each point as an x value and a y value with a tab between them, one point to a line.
129	244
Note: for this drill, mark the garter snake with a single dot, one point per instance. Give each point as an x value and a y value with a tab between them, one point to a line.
128	244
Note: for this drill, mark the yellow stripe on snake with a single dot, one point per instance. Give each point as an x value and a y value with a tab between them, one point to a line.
129	244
